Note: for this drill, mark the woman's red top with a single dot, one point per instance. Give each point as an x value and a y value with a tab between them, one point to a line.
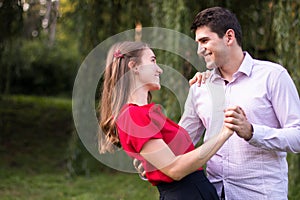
138	124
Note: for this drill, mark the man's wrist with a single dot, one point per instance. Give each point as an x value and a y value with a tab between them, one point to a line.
251	134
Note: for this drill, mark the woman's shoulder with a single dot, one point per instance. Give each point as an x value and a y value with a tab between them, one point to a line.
142	108
137	112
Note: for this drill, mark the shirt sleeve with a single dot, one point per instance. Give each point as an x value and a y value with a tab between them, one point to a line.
286	105
190	120
138	125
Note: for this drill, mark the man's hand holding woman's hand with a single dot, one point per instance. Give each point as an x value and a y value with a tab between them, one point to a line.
139	168
236	120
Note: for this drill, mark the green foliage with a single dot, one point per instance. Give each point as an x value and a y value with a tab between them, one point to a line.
33	65
176	17
11	19
286	26
36	68
38	136
294	176
80	162
98	20
34	132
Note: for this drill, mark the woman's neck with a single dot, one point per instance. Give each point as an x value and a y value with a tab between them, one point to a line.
139	97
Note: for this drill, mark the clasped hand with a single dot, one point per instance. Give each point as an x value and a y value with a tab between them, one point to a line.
235	119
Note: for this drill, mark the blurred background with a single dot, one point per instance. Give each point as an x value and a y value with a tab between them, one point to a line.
42	45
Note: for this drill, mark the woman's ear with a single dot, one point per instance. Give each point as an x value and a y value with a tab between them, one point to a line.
131	64
133	67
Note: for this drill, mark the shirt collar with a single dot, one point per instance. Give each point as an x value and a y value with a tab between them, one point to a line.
245	68
247	64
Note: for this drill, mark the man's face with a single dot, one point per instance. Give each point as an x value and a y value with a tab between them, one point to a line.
210	47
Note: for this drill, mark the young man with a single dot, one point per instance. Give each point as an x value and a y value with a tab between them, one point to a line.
251	164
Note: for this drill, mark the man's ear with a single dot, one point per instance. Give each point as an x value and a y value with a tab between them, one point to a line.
230	36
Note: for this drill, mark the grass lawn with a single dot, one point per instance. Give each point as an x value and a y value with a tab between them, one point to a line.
106	186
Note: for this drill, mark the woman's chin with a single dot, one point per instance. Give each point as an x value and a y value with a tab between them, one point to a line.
155	87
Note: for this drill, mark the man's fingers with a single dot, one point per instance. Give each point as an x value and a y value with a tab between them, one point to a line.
140	168
231	120
200	77
243	112
192	81
196	79
207	74
233	110
232	127
136	163
239	110
231	114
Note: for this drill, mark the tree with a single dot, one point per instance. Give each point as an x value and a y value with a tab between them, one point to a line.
11	26
286	26
35	58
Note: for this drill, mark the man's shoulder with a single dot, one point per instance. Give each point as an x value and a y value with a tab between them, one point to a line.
196	89
264	66
268	63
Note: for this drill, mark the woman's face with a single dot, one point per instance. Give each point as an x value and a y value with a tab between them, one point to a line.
148	71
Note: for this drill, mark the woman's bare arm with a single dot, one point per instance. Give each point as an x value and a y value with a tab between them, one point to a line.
160	155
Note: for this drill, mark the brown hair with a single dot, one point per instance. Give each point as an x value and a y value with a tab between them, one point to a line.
219	20
116	90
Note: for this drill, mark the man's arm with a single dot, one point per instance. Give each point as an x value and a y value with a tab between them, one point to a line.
286	105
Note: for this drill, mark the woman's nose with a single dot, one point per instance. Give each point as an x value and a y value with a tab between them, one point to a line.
159	70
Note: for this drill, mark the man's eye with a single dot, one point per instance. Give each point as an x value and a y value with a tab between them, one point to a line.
203	41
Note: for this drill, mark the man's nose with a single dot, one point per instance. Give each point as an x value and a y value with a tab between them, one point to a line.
200	50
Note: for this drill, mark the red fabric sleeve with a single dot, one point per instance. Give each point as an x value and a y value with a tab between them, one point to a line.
137	125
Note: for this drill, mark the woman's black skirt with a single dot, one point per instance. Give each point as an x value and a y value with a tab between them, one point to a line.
194	186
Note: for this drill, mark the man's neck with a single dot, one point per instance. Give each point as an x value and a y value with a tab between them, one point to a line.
233	65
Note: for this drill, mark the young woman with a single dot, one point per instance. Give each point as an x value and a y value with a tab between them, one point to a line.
129	120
